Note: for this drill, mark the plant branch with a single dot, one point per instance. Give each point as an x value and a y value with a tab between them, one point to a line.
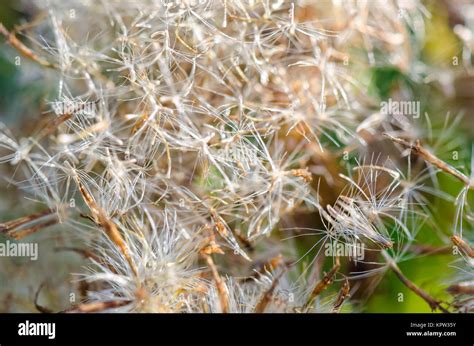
463	245
97	306
323	283
221	289
419	150
22	49
267	297
344	293
15	228
433	303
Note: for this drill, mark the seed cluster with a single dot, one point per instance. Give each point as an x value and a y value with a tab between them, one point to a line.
193	143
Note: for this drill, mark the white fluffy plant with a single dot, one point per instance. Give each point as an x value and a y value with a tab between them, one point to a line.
185	134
